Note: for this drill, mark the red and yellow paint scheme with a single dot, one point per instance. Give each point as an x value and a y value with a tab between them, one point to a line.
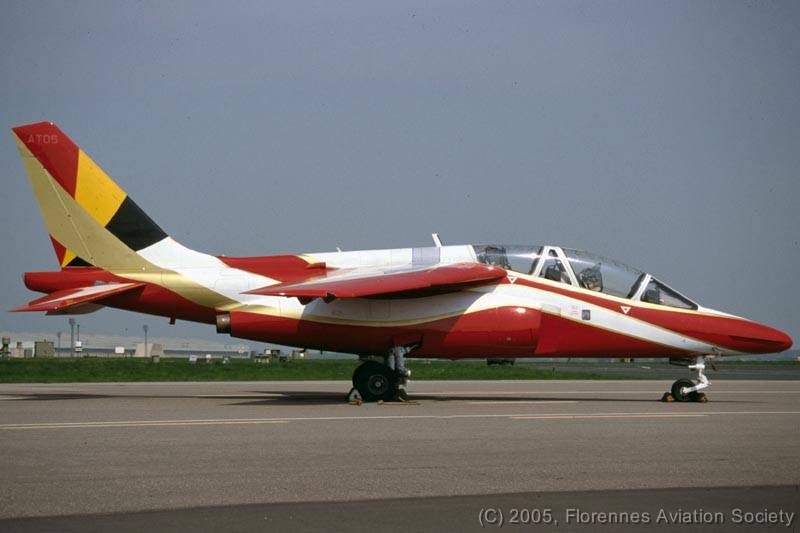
442	301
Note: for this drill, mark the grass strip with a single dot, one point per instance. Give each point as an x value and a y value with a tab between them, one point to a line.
90	369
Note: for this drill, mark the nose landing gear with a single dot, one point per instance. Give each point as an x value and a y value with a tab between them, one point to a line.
685	390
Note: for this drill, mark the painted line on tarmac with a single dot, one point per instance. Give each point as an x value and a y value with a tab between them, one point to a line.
611	415
236	396
648	415
245	421
530	392
515	402
137	424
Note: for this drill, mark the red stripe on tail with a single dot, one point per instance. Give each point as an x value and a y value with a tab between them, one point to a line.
54	150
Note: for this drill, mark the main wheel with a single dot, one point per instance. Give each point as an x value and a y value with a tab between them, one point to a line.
677	390
375	381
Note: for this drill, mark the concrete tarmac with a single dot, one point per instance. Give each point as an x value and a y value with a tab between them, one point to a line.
267	453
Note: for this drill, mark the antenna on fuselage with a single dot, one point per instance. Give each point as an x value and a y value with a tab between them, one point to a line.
436	240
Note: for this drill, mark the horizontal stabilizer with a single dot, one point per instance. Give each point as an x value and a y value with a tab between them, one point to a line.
63	300
396	282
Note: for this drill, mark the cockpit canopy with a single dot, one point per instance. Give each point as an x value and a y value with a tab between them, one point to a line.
582	269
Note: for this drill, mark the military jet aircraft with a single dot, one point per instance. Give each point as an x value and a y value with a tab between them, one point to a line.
465	301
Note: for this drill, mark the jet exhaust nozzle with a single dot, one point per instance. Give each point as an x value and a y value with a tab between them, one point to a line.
224	323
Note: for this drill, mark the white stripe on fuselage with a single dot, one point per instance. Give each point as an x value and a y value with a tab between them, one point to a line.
208	271
572	309
397	257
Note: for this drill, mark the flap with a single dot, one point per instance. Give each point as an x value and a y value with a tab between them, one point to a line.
392	282
67	298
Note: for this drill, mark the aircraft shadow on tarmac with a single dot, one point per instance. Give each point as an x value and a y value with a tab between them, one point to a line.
305	397
56	396
333	398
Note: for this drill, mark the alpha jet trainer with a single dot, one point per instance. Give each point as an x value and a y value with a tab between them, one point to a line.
466	301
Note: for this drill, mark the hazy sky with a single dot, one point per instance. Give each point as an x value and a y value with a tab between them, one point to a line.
664	134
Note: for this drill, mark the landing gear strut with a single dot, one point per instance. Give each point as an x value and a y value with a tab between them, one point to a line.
374	381
685	390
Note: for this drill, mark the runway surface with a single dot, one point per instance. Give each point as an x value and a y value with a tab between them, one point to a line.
295	455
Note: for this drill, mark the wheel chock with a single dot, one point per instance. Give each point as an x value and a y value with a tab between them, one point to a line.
667	397
354	398
701	397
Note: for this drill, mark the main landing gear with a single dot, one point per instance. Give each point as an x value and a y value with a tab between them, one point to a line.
374	381
686	390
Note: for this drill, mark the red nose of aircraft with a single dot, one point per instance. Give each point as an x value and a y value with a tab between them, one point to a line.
762	339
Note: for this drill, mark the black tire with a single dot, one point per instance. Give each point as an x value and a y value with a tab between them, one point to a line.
375	381
676	390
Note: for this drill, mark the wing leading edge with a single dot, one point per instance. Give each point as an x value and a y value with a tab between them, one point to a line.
393	282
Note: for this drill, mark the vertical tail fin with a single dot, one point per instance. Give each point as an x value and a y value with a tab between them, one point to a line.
91	220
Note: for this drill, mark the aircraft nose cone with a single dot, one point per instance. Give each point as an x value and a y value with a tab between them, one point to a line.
785	340
776	340
764	339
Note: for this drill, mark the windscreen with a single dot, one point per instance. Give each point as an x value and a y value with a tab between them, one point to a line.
601	274
519	258
658	293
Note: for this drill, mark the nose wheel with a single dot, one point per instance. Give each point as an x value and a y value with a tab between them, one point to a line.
686	390
682	391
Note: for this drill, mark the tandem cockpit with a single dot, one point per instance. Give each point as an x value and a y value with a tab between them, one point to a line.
583	269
